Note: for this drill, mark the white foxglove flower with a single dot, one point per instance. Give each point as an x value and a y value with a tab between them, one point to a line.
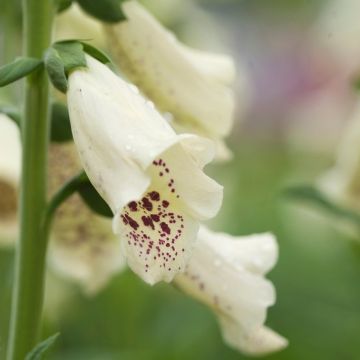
82	247
151	177
227	274
10	167
190	84
74	23
342	182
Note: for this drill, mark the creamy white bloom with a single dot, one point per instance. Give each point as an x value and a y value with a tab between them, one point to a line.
10	167
82	248
227	274
190	84
151	177
74	23
342	182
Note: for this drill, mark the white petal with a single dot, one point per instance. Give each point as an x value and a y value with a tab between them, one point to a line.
228	286
157	237
258	253
10	166
164	68
201	149
217	66
260	341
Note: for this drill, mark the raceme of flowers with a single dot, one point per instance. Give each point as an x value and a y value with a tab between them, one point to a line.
149	170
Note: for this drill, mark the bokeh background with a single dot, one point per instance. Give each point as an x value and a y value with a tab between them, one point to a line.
297	62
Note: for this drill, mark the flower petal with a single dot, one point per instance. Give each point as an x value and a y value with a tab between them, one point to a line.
157	236
257	253
260	341
220	68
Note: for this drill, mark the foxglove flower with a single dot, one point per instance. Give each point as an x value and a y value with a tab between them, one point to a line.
151	178
190	84
342	182
82	248
227	274
10	166
74	23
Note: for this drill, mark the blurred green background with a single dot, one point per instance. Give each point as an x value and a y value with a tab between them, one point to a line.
318	274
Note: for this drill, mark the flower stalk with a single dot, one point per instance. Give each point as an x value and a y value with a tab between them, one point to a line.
28	290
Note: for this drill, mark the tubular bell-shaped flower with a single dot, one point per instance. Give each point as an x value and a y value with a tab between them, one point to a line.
227	274
82	247
342	182
190	84
10	164
151	178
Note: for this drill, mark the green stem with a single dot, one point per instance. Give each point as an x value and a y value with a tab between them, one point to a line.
28	291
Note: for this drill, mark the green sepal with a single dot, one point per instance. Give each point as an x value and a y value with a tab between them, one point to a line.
60	123
71	53
56	69
93	200
40	351
80	184
62	5
314	197
19	68
105	10
96	53
61	59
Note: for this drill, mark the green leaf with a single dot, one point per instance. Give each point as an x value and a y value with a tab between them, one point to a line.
63	5
12	113
56	69
16	70
60	123
71	54
93	200
81	184
96	53
314	197
39	352
104	10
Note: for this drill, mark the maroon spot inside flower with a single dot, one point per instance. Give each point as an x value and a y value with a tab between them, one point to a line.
155	196
165	228
165	203
155	217
131	222
133	206
147	204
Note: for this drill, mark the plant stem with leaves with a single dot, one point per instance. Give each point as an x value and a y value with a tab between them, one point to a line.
31	246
